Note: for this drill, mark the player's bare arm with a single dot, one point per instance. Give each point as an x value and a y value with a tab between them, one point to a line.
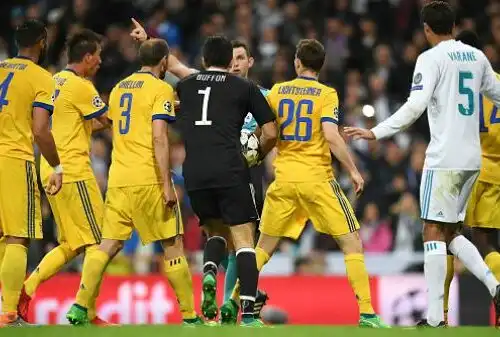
339	149
45	140
268	138
161	148
178	68
101	123
175	66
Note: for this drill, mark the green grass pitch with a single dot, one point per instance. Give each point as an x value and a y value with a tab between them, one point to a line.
275	331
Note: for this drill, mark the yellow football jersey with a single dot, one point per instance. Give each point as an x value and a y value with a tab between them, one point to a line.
133	105
489	118
23	86
76	103
301	105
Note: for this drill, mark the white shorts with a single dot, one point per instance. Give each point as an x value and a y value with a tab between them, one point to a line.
444	194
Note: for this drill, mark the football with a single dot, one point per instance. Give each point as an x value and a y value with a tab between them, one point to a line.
249	147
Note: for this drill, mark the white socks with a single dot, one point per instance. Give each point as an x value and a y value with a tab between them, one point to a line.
435	275
466	252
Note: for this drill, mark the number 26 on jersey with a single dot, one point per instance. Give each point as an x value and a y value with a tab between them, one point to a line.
296	125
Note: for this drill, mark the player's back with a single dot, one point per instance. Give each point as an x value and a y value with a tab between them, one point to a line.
213	108
454	105
301	105
489	127
76	101
133	104
23	86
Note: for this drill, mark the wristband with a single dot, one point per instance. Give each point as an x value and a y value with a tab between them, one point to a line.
58	169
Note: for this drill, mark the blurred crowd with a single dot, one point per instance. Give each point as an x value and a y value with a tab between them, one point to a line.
371	47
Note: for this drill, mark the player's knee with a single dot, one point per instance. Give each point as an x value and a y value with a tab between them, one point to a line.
173	247
350	243
433	232
111	247
13	240
484	240
268	243
243	236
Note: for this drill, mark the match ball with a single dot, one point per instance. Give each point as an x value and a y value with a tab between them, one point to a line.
250	147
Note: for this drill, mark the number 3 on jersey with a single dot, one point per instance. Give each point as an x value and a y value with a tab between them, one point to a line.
293	112
125	102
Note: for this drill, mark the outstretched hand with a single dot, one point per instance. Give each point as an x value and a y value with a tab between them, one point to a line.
138	33
359	133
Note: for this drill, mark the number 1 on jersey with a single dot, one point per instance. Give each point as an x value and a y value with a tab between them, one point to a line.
204	107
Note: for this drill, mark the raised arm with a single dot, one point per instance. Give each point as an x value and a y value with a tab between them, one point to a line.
425	78
178	68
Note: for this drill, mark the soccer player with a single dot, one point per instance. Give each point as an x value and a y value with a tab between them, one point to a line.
26	102
482	211
448	79
305	186
214	104
78	207
140	190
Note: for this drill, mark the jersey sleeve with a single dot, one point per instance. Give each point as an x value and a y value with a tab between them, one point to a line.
163	107
330	109
88	102
259	107
490	83
45	93
425	79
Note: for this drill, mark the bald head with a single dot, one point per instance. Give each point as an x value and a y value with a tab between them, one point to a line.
152	52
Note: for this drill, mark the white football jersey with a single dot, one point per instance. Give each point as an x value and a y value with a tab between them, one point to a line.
448	80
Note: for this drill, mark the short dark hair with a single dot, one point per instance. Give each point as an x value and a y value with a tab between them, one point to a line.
439	16
81	43
241	44
311	54
30	33
217	52
470	38
152	52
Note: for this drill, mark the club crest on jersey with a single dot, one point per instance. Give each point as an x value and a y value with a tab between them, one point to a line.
167	106
417	78
97	102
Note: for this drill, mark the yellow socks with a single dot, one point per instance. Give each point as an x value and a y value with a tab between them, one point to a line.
179	277
12	274
91	309
360	283
48	267
3	245
261	258
450	272
94	266
493	262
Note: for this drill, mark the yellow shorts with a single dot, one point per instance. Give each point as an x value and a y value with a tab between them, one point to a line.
142	208
20	212
78	210
287	205
483	209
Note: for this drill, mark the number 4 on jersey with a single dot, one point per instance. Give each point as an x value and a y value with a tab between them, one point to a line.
4	87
